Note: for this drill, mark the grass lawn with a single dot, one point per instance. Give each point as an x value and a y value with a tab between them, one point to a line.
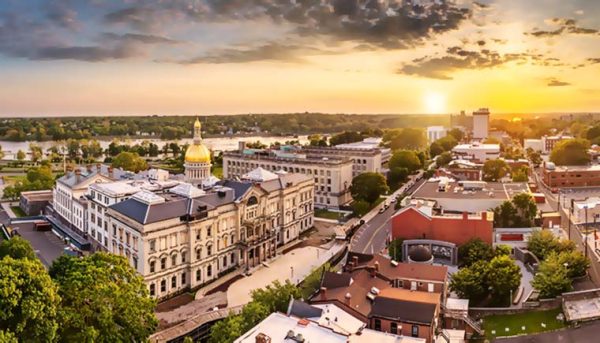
18	211
10	179
323	213
532	321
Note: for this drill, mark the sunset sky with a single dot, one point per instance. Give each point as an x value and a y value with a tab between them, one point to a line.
126	57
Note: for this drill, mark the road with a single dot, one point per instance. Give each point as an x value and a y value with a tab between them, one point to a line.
372	236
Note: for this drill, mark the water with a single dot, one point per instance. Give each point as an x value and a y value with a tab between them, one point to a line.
215	144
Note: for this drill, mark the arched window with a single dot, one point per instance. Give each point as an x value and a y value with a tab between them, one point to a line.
198	253
152	266
252	201
174	260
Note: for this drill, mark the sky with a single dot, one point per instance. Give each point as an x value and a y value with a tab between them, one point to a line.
203	57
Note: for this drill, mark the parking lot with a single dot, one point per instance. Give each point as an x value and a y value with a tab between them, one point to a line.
46	244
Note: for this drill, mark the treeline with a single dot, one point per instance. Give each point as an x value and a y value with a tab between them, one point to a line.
177	127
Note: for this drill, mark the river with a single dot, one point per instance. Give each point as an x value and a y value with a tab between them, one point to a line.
215	143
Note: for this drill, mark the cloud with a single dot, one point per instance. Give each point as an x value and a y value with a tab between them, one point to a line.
457	58
566	26
553	82
142	38
84	53
593	60
271	51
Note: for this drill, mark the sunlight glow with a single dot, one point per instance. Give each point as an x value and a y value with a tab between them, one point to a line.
434	102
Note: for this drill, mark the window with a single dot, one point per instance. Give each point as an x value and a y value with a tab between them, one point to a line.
209	250
209	231
209	271
198	254
198	235
394	328
152	266
163	263
153	245
430	287
183	257
415	331
198	275
224	261
232	258
152	290
163	286
174	260
377	324
183	278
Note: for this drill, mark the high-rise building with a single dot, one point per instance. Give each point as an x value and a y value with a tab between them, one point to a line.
481	123
435	132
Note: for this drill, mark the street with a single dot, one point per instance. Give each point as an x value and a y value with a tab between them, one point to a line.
371	237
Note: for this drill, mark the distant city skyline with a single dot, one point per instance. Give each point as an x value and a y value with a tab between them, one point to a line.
203	57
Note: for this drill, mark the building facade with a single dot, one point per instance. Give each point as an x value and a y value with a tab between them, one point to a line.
481	123
570	176
435	132
184	237
477	152
332	176
363	160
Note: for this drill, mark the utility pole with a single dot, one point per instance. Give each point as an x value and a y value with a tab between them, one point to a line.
586	232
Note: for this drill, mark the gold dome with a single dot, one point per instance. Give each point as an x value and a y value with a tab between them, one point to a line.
197	123
197	153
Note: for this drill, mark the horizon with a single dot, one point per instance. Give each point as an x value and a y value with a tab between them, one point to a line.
121	58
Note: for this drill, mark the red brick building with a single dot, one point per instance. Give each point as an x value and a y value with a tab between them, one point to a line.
570	176
411	223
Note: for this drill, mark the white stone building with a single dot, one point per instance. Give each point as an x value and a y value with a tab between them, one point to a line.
481	123
477	152
436	132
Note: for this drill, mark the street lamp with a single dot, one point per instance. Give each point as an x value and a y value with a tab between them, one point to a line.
292	272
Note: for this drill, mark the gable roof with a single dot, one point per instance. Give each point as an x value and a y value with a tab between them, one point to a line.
403	310
334	280
260	175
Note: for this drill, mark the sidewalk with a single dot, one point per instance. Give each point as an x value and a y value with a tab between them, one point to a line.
9	211
295	266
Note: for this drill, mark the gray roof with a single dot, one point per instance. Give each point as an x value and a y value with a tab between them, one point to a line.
301	309
403	310
146	214
239	187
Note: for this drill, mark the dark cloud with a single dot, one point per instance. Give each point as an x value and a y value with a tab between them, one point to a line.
142	38
553	82
59	13
271	51
457	58
85	53
387	24
566	26
594	60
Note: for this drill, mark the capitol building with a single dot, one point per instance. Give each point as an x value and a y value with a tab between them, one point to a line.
197	159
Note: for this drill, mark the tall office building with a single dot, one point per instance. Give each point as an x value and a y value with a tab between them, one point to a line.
481	123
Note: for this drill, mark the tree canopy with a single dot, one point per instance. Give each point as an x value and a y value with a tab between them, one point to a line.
17	248
103	300
494	170
28	300
520	211
405	159
130	161
407	138
368	187
571	152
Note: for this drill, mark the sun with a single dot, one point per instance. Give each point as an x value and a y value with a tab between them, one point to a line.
434	102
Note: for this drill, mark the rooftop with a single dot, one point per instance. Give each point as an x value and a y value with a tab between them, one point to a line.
472	190
476	146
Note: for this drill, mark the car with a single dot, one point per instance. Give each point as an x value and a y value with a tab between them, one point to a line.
393	200
381	210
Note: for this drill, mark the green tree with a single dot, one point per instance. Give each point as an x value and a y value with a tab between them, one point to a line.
28	300
20	156
502	250
542	242
407	138
17	248
312	282
551	279
526	209
470	282
504	214
368	187
405	159
1	153
473	251
228	329
276	296
395	249
435	149
503	276
8	337
457	134
534	156
571	152
36	152
360	207
103	300
346	137
521	174
129	161
494	170
575	262
447	142
443	159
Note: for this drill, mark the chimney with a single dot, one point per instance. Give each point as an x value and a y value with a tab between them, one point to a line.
465	215
262	338
347	298
241	146
350	266
323	293
376	266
